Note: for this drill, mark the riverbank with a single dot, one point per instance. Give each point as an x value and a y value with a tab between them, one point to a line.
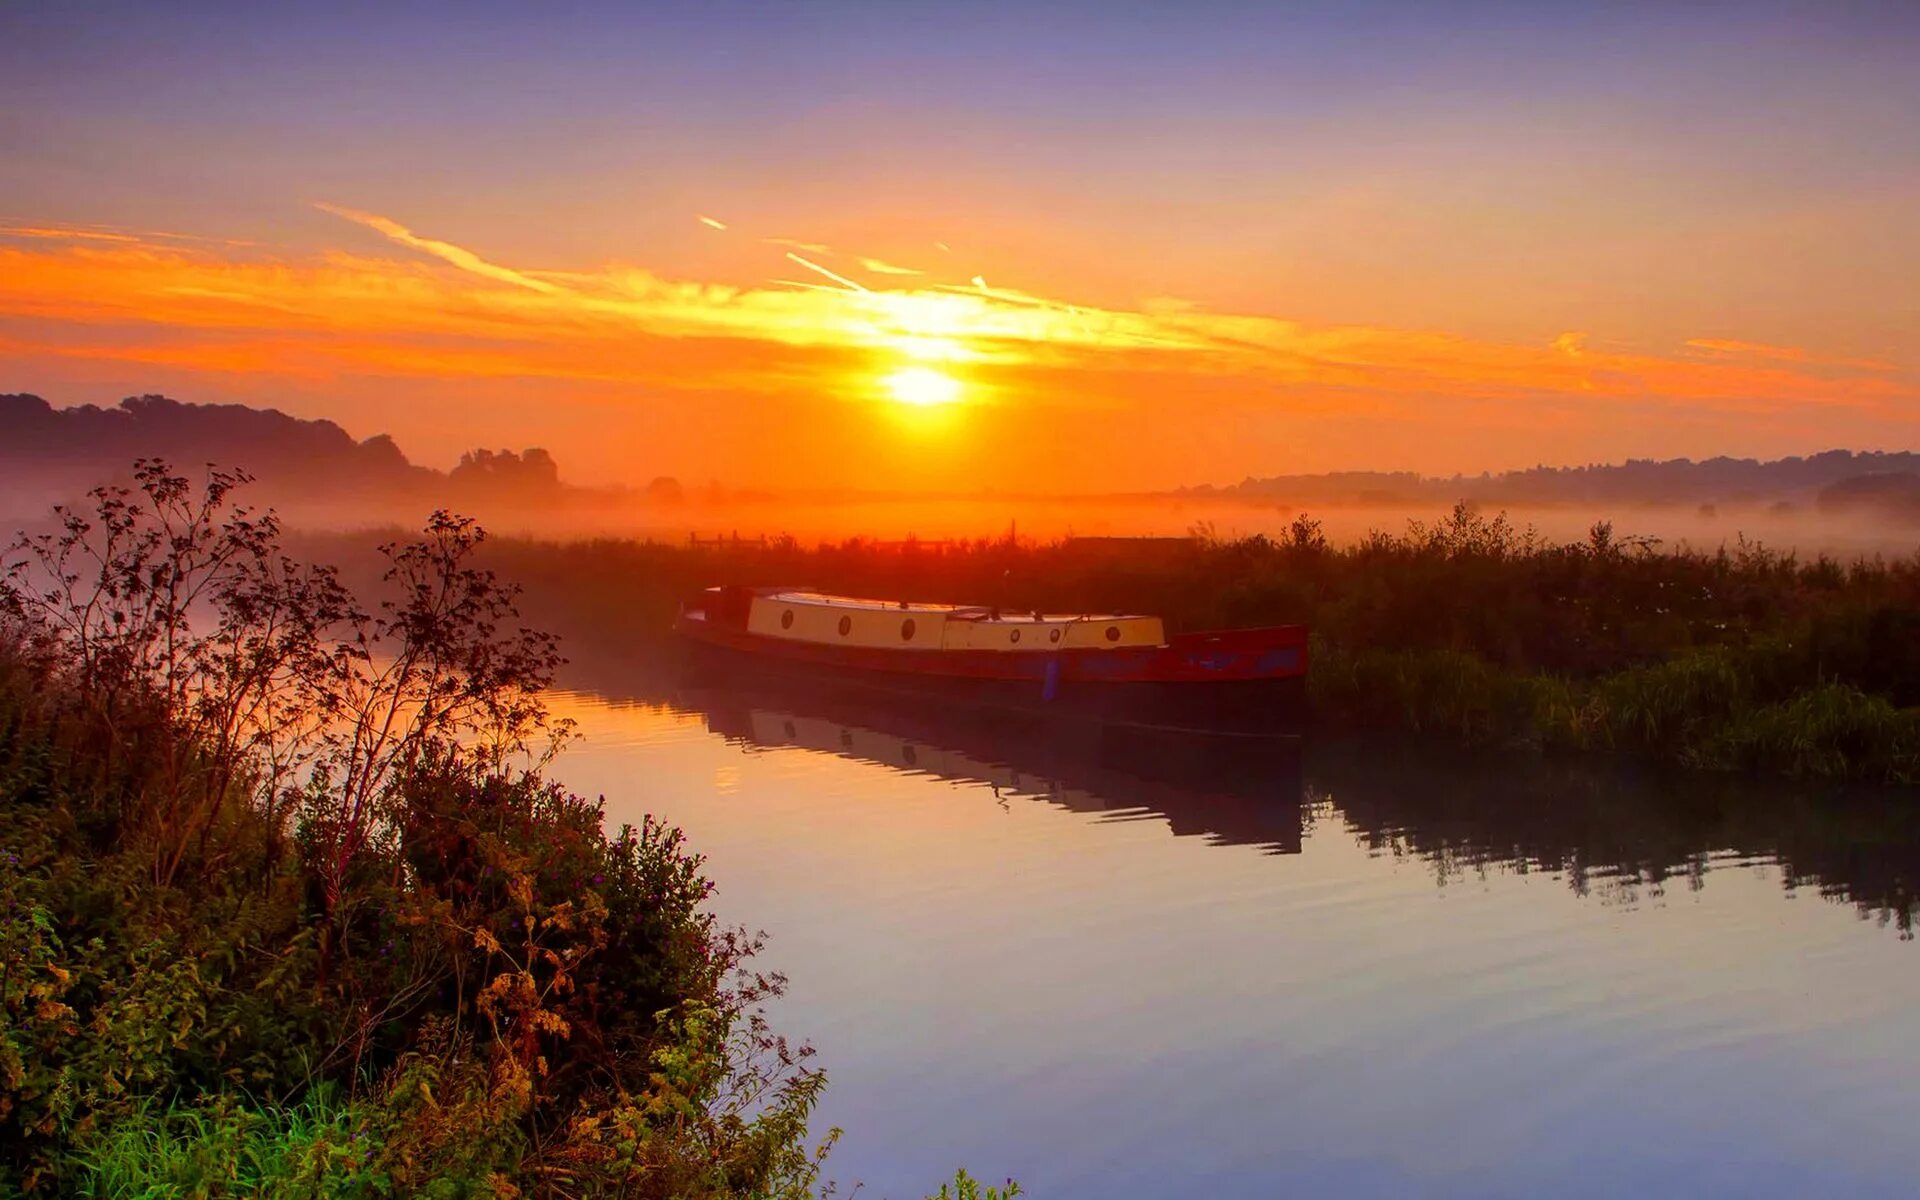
1466	629
289	907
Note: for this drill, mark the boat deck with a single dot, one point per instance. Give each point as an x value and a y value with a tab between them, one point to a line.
959	612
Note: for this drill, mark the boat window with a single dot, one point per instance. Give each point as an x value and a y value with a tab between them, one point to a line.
786	619
1113	633
846	626
906	630
1053	635
1014	636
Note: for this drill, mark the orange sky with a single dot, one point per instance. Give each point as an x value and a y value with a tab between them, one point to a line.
1142	251
625	373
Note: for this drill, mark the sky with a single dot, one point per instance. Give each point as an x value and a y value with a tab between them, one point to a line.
1040	247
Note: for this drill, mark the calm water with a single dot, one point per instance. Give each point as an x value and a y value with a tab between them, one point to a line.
1112	968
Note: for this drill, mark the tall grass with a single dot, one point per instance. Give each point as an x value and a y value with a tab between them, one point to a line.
319	1147
1464	628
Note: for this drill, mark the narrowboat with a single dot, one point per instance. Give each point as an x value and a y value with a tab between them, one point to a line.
1119	668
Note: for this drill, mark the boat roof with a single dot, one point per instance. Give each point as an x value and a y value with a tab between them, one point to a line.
962	611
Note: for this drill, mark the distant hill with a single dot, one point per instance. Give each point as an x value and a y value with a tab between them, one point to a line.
1636	481
49	453
89	443
316	472
1888	494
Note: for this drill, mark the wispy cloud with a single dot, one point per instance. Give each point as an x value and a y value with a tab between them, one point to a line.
459	256
879	267
1788	354
465	315
109	233
796	244
60	233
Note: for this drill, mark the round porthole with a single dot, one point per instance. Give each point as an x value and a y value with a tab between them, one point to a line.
1053	635
1014	636
906	630
786	619
846	626
1113	633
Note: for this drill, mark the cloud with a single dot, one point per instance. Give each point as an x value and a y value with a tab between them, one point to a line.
886	268
63	233
108	233
460	257
461	316
1790	354
795	244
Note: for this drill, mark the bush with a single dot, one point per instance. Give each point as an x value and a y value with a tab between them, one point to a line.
287	906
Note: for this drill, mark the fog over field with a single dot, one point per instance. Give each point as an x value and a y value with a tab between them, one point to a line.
1806	530
318	476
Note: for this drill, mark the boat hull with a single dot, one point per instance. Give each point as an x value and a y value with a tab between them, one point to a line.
1241	682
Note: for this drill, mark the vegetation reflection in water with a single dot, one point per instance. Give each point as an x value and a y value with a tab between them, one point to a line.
1603	828
1345	967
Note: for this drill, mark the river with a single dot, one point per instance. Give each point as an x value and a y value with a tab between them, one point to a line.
1116	968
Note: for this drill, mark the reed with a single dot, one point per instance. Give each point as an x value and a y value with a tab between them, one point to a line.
1464	627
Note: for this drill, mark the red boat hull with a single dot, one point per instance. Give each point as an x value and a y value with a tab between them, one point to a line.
1241	681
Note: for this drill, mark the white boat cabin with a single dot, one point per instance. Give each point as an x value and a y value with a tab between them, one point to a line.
843	620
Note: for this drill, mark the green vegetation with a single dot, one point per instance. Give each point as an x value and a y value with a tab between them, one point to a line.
287	907
1468	629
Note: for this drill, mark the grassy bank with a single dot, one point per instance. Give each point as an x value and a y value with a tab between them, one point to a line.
288	908
1736	658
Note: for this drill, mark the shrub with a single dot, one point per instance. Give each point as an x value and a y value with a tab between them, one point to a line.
288	908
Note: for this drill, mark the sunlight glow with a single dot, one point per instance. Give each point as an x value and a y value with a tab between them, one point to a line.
922	387
918	348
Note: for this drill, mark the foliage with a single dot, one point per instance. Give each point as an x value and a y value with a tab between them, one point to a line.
1465	627
317	1148
966	1187
287	906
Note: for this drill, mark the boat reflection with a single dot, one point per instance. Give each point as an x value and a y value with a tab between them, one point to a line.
1606	829
1230	791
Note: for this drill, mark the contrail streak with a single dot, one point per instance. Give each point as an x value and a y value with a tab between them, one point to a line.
835	276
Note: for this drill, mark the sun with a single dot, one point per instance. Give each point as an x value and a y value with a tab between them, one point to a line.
922	387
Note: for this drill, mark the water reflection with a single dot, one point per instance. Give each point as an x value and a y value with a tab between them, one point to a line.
1115	966
1244	792
1616	833
1625	834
